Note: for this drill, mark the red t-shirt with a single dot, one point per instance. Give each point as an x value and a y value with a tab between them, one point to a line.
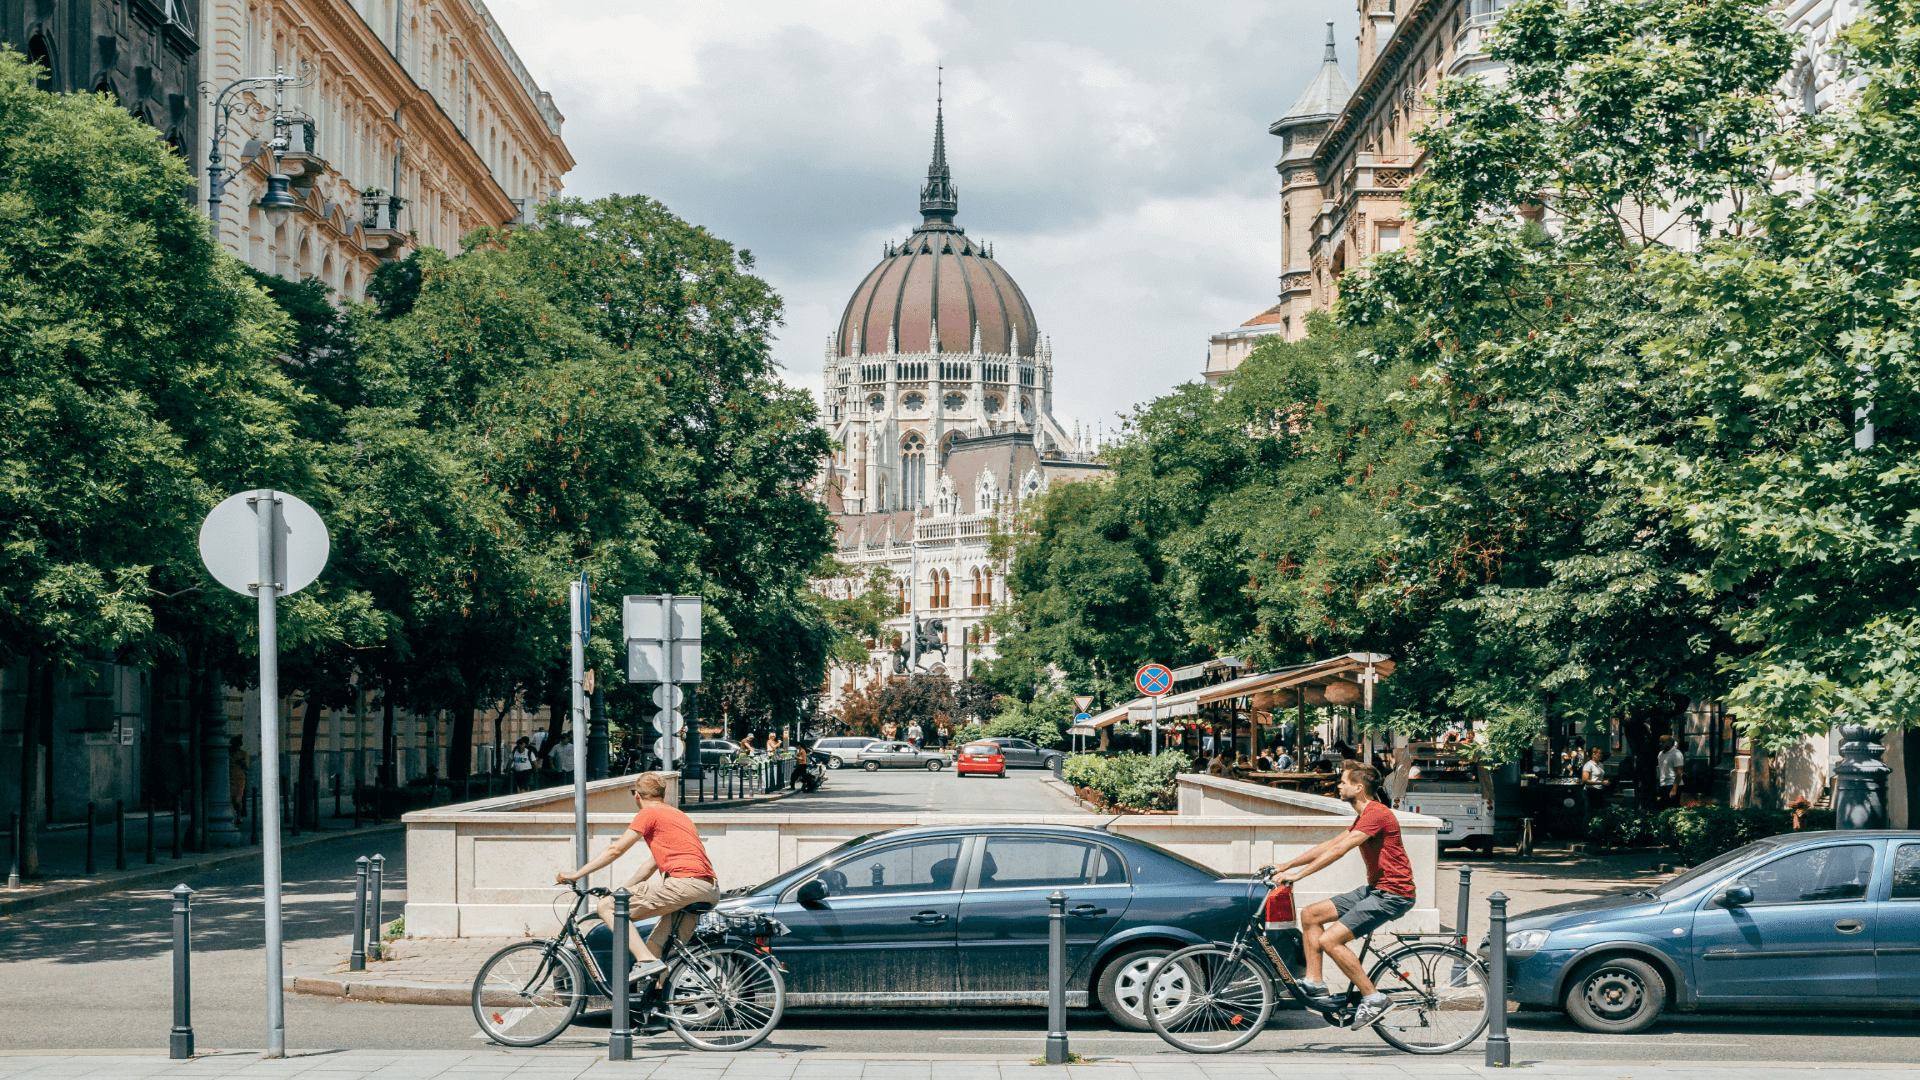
1387	867
674	841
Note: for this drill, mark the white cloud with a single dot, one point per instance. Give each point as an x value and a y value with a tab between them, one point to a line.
1115	154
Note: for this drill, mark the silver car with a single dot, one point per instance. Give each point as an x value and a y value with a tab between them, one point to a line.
843	749
899	755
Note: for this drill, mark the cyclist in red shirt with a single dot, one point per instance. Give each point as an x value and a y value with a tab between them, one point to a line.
675	850
1387	895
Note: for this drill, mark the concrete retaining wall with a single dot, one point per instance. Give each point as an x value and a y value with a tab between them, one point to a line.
486	869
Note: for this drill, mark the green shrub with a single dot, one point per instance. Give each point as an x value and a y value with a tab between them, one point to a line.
1041	721
1132	780
1694	833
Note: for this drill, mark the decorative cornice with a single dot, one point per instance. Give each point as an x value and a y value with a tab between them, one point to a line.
1407	30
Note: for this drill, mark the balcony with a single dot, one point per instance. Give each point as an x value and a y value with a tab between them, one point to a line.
301	160
380	217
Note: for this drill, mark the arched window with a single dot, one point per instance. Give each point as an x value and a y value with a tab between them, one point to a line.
39	53
946	589
986	586
913	472
976	586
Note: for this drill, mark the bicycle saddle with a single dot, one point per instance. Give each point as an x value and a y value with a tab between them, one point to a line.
697	907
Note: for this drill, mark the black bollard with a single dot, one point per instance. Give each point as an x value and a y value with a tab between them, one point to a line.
1466	899
13	843
357	958
90	816
337	785
290	800
176	826
1056	978
1499	1050
119	834
378	866
620	1041
149	830
357	785
180	1044
253	820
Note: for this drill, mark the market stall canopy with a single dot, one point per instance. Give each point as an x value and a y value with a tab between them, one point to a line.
1346	667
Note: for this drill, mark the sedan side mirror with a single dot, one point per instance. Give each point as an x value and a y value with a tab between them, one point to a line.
812	892
1736	896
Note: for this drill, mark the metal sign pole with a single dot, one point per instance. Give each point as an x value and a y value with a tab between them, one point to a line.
577	606
1153	730
913	609
672	708
267	588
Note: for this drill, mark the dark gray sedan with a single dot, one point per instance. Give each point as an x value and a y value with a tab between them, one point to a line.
899	755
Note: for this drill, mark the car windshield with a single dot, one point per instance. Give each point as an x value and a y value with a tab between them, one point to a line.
1713	867
749	890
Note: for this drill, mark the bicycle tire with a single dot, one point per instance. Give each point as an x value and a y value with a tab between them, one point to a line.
1440	994
723	999
1219	1002
522	997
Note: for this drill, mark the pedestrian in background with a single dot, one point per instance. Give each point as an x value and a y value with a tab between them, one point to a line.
1593	777
520	766
913	734
1668	766
1283	763
237	768
562	757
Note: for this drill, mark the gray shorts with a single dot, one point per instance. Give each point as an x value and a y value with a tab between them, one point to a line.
1365	910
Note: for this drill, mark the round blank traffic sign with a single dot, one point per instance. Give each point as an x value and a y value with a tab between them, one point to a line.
674	726
230	543
666	748
668	696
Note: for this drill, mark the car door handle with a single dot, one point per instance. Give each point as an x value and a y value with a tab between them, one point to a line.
928	918
1849	926
1087	911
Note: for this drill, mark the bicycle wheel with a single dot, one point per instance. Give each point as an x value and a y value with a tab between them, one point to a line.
1217	999
1440	998
523	997
724	998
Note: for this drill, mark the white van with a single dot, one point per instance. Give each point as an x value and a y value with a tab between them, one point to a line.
843	750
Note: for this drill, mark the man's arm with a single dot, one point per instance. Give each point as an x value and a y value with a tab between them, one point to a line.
1328	853
614	851
1308	855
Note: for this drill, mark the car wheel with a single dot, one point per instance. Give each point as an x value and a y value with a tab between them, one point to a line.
873	766
833	762
1123	986
934	765
1049	763
1617	996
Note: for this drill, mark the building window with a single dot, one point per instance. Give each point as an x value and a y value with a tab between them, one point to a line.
913	472
1389	239
976	586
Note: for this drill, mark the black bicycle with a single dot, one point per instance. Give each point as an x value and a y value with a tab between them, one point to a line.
1209	999
721	990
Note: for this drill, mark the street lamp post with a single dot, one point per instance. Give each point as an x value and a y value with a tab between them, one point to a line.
278	201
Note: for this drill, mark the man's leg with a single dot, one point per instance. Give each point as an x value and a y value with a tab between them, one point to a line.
1333	941
1312	925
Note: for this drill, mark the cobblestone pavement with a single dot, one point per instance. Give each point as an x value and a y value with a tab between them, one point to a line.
676	1065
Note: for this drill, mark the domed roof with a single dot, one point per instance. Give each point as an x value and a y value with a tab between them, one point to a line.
937	280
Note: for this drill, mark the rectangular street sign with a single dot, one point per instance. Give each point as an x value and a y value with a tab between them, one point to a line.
647	661
642	617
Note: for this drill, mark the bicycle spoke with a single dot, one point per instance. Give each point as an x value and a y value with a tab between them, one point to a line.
1210	1000
1440	995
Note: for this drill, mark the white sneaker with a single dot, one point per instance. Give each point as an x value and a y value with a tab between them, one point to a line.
1370	1010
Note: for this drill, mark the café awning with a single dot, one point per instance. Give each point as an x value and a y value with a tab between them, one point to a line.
1345	667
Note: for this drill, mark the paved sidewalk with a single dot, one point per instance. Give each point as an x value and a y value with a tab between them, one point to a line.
63	859
538	1064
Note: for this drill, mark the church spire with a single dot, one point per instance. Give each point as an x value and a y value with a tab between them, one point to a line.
939	199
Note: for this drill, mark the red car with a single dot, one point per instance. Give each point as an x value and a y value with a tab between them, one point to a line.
981	757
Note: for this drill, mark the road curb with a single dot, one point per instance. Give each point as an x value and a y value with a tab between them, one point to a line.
160	875
389	993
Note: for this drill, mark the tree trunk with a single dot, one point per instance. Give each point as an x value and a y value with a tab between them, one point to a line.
309	749
557	720
30	765
1645	744
460	749
389	771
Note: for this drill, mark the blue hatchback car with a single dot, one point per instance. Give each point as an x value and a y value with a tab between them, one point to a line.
956	916
1806	920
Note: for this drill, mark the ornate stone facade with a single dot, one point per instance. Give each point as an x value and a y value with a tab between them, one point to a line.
420	124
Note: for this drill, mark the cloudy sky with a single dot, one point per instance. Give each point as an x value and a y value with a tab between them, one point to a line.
1115	154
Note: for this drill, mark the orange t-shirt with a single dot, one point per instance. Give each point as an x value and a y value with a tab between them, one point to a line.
1387	866
674	841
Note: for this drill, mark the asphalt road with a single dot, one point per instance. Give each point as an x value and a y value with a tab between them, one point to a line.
97	974
851	790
